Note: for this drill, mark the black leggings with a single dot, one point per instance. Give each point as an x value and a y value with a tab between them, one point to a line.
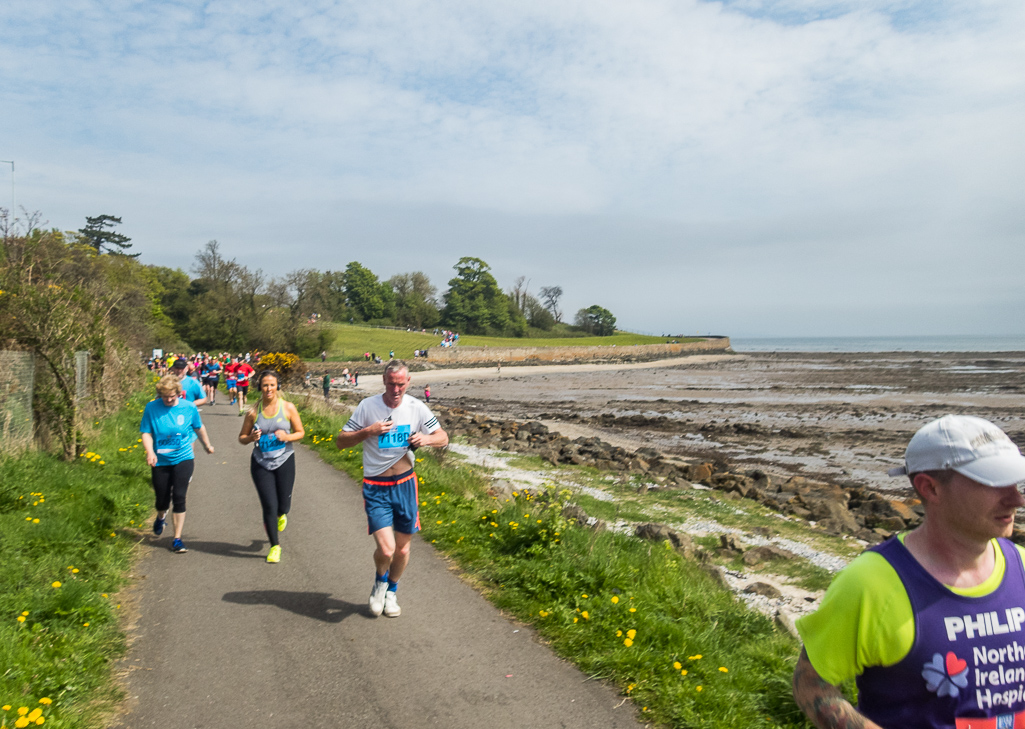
275	491
172	483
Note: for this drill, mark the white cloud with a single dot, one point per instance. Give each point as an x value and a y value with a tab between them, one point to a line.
746	140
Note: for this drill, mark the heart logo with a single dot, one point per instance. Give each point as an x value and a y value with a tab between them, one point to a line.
955	665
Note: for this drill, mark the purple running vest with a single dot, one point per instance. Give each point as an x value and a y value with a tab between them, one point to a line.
966	667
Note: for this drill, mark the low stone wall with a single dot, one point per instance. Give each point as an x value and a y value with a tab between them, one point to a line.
462	356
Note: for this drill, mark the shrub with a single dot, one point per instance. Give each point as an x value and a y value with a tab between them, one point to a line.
288	365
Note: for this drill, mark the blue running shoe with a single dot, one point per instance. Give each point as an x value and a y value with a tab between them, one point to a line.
178	547
158	526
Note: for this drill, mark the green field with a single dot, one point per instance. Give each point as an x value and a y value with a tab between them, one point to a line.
352	341
620	339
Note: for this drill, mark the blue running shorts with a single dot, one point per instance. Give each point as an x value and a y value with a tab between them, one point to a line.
391	501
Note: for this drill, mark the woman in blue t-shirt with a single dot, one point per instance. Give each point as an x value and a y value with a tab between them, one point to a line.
169	426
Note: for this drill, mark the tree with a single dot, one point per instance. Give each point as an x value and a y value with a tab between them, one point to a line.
100	234
364	294
537	315
415	303
518	293
229	306
473	303
596	320
550	296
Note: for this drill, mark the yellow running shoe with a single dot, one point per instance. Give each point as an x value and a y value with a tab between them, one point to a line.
282	522
274	555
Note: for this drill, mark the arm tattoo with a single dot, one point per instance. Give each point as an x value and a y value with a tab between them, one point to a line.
824	703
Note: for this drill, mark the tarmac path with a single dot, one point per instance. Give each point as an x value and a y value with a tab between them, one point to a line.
225	640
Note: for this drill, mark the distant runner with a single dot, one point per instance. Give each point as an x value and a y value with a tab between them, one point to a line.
391	426
169	427
273	424
230	383
242	374
191	390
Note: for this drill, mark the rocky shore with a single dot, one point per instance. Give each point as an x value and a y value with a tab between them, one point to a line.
857	511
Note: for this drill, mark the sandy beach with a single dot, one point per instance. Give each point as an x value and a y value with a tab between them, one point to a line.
844	418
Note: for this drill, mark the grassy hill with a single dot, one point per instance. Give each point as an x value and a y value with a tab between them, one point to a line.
352	341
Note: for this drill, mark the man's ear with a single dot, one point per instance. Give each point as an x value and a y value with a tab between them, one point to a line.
925	486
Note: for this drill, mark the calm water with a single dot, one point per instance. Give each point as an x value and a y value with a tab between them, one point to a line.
968	343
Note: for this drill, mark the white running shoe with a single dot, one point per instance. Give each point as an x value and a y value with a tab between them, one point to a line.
377	598
391	604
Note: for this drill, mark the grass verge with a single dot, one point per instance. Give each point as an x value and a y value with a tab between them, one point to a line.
66	545
633	613
352	341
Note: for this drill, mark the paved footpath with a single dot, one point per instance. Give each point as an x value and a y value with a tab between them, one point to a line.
226	640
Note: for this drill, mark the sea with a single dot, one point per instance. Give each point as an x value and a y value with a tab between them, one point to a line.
965	343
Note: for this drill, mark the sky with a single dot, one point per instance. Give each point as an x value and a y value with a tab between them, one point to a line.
746	167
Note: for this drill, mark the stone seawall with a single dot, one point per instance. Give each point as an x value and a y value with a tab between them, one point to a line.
468	356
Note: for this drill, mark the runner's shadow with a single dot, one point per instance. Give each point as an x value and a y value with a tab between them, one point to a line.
227	549
316	605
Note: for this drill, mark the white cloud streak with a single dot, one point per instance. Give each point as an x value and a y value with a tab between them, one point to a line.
822	162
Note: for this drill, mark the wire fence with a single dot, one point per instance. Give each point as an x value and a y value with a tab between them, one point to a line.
17	378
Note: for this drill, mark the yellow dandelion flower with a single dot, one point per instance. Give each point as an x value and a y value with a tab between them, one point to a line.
633	610
74	571
438	522
85	625
21	722
677	665
56	584
575	619
103	594
619	633
628	642
585	615
699	688
25	613
21	618
583	596
35	521
631	633
615	599
22	710
6	707
40	721
724	669
683	672
694	658
35	714
631	687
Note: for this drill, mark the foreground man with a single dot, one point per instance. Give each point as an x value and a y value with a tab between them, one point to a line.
391	426
931	623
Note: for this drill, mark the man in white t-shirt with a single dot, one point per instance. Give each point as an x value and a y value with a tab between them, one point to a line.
391	426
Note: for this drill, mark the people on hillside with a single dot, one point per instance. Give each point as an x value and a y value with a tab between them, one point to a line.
427	394
391	427
928	621
326	384
273	425
169	427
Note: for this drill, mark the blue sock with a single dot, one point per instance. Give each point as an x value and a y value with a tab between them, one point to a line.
393	586
381	578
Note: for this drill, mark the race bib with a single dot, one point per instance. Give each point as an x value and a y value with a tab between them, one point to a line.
270	442
397	437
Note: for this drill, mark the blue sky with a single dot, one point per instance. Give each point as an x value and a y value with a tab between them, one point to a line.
753	168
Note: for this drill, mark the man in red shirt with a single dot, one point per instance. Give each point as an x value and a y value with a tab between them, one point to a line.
242	374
